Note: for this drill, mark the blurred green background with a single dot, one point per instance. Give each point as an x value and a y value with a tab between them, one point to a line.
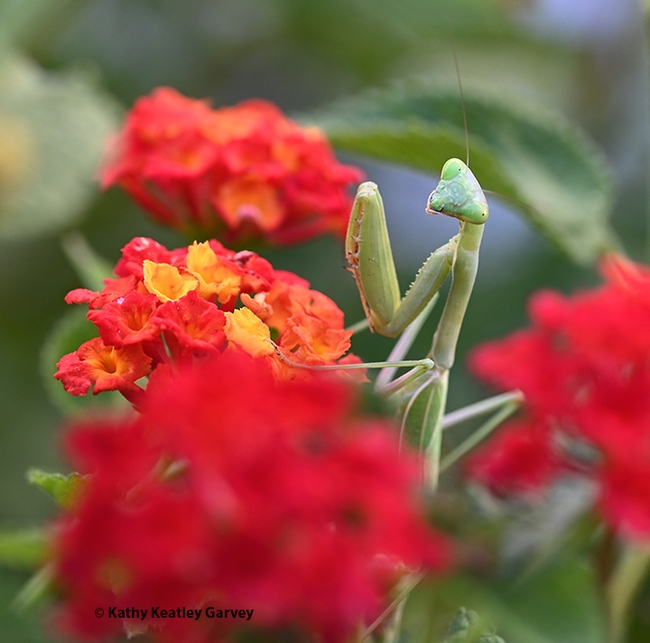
68	69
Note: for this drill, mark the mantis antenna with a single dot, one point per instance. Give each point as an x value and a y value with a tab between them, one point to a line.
460	91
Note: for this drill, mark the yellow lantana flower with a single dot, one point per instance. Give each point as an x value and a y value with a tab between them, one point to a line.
213	276
167	282
249	332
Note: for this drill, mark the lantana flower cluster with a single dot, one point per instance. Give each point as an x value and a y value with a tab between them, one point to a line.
173	306
584	367
237	173
233	489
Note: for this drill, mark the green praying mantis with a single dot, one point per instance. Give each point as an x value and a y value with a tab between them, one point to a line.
421	393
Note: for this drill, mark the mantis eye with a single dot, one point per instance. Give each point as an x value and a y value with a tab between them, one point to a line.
452	169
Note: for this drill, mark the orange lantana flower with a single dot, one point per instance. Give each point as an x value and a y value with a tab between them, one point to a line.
108	368
240	172
183	305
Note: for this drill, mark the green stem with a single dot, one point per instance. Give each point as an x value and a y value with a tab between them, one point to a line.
36	588
364	324
89	266
623	587
408	584
443	350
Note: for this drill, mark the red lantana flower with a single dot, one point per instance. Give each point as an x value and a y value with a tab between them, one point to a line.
167	307
233	489
238	172
584	368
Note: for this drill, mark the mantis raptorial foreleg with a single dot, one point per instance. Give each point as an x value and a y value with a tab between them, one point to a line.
370	259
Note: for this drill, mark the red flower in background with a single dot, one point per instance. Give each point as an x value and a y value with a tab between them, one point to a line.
584	368
234	489
169	307
239	172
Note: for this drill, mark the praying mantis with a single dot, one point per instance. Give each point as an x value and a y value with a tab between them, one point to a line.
421	393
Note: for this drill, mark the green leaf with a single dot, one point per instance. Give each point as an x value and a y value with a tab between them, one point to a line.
22	23
53	129
22	547
558	604
525	153
65	489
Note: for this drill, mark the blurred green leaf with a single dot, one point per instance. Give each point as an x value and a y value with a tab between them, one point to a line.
558	604
53	129
22	547
525	153
21	22
65	489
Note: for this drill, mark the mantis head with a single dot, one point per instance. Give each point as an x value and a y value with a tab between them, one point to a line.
459	194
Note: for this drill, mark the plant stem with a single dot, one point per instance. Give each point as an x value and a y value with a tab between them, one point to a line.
623	587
